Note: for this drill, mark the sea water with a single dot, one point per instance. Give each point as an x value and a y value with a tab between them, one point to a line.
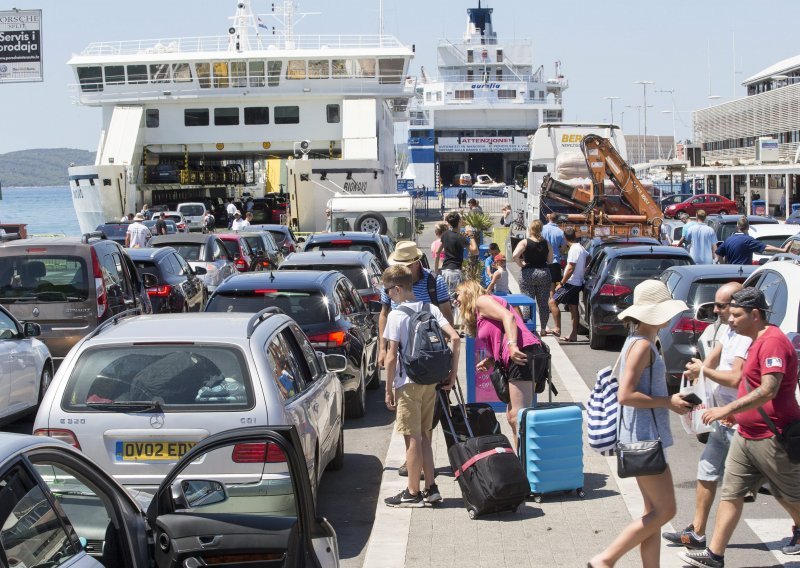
46	210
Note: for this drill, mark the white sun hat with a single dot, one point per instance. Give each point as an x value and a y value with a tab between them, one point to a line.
652	304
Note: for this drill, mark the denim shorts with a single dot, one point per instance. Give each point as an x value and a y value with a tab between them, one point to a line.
712	462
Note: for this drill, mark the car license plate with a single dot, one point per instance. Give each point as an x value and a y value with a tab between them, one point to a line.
152	451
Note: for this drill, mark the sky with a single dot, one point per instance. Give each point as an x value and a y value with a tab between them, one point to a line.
694	48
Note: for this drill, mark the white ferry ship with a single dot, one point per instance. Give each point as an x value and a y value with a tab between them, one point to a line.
212	118
476	117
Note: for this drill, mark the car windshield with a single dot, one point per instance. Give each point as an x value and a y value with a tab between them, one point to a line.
635	268
146	267
189	251
232	246
114	230
278	236
255	241
703	291
774	240
192	210
344	244
52	278
305	307
358	275
168	377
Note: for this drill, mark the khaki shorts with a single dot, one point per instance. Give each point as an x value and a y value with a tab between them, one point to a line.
751	462
415	405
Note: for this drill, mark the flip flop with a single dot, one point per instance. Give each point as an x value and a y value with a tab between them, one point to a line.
563	339
552	332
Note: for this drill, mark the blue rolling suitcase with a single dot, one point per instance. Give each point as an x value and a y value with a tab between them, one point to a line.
551	447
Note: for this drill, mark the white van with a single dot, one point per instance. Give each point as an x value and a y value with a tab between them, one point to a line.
193	212
386	214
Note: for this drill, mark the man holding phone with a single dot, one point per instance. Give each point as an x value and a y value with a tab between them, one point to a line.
723	365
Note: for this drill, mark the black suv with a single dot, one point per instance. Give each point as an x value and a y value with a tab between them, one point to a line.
725	225
283	235
69	285
177	287
265	251
361	268
326	306
350	240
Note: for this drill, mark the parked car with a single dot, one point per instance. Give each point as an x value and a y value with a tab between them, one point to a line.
462	179
794	218
114	231
266	254
610	280
61	508
178	218
725	225
361	268
695	285
774	234
136	396
27	367
671	231
594	245
673	199
172	227
177	286
350	240
162	173
711	203
775	278
70	285
327	307
238	250
485	185
193	212
201	251
283	235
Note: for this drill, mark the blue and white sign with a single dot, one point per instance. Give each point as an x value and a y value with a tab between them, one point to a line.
405	185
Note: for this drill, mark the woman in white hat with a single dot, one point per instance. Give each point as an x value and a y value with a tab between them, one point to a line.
644	406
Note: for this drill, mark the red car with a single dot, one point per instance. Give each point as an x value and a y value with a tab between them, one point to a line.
239	250
711	203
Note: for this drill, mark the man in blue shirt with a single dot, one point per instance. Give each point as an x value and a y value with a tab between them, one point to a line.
702	240
739	247
553	234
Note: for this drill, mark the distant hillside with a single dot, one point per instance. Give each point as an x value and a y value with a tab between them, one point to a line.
40	167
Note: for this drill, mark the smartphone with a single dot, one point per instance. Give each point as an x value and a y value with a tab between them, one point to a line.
692	399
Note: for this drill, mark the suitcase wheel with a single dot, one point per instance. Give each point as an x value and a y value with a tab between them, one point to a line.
537	497
580	492
473	514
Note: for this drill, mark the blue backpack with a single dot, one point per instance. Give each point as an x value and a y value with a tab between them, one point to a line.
425	355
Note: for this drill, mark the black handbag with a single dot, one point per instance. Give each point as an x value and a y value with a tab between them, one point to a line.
499	377
790	438
636	459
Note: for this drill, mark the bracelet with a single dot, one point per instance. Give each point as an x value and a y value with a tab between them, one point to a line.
511	342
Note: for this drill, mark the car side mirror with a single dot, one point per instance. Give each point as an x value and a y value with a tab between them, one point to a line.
31	329
375	306
199	270
199	492
149	280
705	312
335	363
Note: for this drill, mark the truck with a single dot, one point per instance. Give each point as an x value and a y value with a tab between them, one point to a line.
386	214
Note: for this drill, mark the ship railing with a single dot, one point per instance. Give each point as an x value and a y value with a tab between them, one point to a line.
499	42
477	77
254	41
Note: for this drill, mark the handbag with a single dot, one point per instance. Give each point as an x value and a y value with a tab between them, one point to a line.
692	421
642	458
790	438
499	377
602	410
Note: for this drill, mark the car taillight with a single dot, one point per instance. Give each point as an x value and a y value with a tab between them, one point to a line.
240	264
687	324
330	339
262	452
181	226
67	436
159	291
614	290
341	242
100	285
290	247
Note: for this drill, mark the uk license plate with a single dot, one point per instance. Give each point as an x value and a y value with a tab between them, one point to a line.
152	451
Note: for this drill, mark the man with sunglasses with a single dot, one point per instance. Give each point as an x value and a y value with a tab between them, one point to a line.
723	365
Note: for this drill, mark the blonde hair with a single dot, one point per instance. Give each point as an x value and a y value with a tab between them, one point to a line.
440	228
397	275
535	230
470	291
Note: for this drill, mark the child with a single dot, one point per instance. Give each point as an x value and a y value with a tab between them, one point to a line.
413	402
499	282
488	263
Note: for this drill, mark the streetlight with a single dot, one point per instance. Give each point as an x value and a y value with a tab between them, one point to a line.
639	125
644	94
611	101
671	93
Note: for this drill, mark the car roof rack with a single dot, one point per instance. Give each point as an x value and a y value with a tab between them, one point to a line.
93	235
260	317
114	320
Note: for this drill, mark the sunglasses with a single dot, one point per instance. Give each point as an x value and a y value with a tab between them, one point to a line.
386	290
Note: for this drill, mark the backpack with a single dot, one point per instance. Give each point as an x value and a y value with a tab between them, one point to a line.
431	284
210	221
425	355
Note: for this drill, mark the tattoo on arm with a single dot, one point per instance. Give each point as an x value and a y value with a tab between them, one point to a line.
758	396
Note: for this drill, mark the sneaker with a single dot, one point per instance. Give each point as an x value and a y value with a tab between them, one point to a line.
405	499
431	495
703	559
687	537
794	544
402	471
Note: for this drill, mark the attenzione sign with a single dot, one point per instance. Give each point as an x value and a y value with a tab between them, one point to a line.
20	46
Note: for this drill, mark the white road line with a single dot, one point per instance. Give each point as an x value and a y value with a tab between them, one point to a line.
774	533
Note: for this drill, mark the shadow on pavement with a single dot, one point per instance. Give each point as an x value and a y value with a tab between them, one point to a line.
377	413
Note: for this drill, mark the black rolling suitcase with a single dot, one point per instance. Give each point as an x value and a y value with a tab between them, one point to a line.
487	469
480	416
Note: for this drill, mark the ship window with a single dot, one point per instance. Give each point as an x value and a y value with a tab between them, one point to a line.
463	95
226	116
137	74
507	94
499	74
334	114
428	96
340	69
318	69
195	117
499	55
115	74
469	56
238	74
181	73
203	71
221	74
287	114
470	74
159	73
273	73
391	71
256	74
365	68
256	115
90	78
151	118
296	69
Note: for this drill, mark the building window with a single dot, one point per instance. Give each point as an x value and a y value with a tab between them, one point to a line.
287	114
226	116
256	73
221	74
499	55
91	79
273	73
334	114
318	69
203	71
159	73
296	69
239	74
256	115
463	95
115	75
181	73
506	94
195	117
151	118
391	71
137	74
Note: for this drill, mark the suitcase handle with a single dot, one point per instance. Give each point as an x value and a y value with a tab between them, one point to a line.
446	409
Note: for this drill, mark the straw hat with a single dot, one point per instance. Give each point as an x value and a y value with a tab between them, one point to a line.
652	304
406	252
138	217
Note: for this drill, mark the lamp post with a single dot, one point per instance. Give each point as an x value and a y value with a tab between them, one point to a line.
611	101
671	93
644	94
639	124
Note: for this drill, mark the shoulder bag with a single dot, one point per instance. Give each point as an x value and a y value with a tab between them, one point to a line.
636	459
789	438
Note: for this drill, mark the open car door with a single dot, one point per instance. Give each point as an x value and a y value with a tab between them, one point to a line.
261	515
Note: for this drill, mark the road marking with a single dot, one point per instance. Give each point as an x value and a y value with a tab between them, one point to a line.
774	534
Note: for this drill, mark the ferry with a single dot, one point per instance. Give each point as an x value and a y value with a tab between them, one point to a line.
255	111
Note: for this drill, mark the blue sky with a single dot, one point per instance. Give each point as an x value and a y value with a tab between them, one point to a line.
603	48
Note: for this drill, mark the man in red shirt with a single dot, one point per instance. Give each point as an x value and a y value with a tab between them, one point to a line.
769	380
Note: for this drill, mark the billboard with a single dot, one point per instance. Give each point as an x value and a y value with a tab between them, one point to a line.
483	144
20	46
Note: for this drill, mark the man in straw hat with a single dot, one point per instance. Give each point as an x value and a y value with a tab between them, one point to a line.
137	234
766	399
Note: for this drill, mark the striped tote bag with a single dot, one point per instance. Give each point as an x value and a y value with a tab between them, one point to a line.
602	411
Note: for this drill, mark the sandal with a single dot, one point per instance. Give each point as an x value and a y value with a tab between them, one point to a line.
567	340
553	332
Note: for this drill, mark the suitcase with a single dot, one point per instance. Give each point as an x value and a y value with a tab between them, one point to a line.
480	416
489	474
551	447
